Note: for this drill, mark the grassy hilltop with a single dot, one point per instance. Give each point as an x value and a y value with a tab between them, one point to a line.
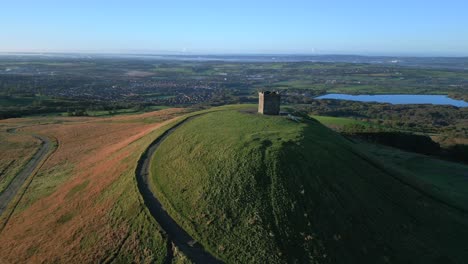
267	189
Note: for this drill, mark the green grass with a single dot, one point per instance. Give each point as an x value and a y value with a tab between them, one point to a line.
126	111
338	121
22	101
65	218
107	113
15	154
15	101
77	189
265	189
146	242
450	178
44	184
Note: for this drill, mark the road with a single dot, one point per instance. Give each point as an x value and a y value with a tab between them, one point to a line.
176	234
9	193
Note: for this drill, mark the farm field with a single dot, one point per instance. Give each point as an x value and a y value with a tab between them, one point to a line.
83	202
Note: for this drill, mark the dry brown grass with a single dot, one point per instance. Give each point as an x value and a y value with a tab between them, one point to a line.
15	151
83	205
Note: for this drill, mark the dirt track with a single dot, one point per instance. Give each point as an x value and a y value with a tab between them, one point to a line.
176	234
9	193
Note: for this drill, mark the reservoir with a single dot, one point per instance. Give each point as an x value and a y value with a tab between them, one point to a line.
398	99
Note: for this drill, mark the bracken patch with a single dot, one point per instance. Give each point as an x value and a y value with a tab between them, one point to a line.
76	209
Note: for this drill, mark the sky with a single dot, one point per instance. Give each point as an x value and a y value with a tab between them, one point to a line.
363	27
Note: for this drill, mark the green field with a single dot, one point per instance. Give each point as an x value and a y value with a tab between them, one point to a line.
266	189
449	178
104	113
109	113
368	79
21	101
338	121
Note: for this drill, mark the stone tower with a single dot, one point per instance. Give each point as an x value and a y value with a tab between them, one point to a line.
269	103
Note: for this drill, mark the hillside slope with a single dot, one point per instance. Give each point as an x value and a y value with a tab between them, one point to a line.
267	189
83	205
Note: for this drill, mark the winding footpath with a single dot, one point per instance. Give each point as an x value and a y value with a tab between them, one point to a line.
10	192
176	234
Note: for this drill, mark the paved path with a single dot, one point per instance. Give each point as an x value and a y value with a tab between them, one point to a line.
176	234
9	193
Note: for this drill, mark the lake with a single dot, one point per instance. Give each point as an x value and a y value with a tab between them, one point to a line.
398	99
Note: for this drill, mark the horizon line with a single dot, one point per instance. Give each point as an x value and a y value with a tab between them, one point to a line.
175	53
